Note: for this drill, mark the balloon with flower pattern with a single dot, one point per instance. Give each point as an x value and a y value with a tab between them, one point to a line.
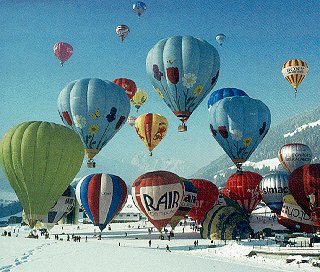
96	109
151	128
239	124
183	70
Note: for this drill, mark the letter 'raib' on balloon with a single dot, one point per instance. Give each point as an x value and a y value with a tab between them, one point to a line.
304	185
243	187
102	196
158	195
239	124
223	93
62	51
274	187
183	70
207	196
40	159
151	129
294	155
128	85
95	109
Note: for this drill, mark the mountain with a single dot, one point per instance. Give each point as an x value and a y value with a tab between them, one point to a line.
303	128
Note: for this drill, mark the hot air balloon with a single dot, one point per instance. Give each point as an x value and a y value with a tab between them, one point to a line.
220	38
139	98
139	8
96	109
151	129
183	70
239	124
131	120
226	222
40	159
190	196
294	71
273	188
294	218
207	196
223	93
294	155
158	195
62	51
304	185
243	187
122	31
128	85
63	206
102	196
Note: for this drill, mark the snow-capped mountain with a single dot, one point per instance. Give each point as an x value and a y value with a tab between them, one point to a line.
304	128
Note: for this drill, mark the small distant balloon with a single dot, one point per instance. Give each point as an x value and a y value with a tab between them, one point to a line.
131	120
139	98
122	31
139	8
294	71
127	84
62	51
220	38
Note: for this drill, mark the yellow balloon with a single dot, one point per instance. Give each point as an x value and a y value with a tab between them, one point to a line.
294	71
139	98
151	128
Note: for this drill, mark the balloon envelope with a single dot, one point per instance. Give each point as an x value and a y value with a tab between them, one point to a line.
294	71
183	70
95	109
220	38
128	85
151	128
294	155
139	98
102	196
273	188
207	196
190	196
294	218
239	124
62	51
40	159
243	187
158	195
304	185
122	31
223	93
139	8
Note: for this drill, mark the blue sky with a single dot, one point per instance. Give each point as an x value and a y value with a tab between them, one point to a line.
261	36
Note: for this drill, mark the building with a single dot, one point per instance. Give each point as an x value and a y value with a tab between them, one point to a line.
129	213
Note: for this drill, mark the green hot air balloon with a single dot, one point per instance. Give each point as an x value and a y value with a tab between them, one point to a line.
40	159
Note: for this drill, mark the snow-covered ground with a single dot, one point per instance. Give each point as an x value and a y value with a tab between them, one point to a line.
125	248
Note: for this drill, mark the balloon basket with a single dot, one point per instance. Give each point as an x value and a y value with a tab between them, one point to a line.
182	128
91	164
